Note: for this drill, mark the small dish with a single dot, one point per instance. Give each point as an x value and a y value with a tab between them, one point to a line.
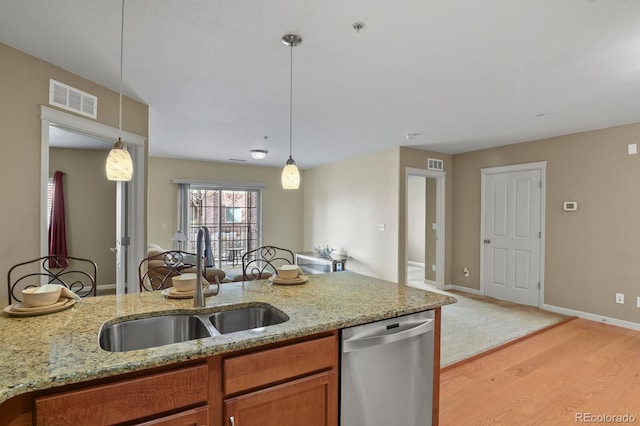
20	310
288	272
300	279
41	296
185	283
172	293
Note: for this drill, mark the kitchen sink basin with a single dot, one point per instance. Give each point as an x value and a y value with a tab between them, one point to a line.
151	332
143	333
247	318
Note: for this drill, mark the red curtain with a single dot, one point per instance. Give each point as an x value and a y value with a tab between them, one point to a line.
57	231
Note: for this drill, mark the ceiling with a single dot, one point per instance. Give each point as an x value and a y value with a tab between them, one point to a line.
461	74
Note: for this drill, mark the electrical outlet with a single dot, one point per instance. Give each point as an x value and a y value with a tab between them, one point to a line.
619	298
433	268
466	272
638	302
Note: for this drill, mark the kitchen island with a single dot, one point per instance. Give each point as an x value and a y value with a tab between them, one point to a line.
61	350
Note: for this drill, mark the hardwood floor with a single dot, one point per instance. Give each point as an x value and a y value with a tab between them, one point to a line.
564	376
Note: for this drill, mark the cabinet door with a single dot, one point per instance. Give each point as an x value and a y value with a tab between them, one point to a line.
196	417
310	401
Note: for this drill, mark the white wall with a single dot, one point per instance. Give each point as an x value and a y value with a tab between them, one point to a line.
344	205
416	218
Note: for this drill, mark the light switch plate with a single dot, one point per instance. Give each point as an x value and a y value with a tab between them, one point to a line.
632	148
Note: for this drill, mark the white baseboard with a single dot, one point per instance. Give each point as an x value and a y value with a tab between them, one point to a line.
461	288
564	311
412	263
106	286
592	317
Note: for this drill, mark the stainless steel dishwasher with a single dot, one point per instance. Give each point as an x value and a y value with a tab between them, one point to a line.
386	375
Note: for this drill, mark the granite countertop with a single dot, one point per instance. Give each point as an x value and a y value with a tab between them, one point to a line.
56	349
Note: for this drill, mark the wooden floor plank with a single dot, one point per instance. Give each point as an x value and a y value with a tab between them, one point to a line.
580	368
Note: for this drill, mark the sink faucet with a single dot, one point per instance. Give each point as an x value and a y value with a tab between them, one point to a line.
198	297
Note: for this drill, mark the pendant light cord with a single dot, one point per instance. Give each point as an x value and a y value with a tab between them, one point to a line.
121	56
290	104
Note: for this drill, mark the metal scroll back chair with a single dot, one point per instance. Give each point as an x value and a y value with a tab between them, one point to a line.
155	272
264	261
78	275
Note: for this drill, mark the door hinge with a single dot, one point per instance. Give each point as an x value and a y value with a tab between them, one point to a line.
125	241
540	184
540	234
538	285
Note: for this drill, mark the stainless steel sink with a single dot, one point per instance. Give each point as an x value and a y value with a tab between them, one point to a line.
247	318
151	332
164	329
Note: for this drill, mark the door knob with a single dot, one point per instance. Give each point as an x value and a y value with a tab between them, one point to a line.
487	241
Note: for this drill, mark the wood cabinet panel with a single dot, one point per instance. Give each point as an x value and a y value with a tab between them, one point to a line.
258	369
195	417
310	401
125	400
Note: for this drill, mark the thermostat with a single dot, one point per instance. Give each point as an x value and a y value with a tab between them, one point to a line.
570	206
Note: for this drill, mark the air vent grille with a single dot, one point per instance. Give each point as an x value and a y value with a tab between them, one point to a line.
72	99
435	164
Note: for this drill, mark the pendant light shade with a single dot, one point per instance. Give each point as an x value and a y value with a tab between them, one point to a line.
290	173
119	165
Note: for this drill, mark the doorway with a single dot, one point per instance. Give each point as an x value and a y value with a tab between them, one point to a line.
424	232
512	229
129	205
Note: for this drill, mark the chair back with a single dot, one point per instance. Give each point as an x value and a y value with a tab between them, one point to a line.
264	261
78	275
155	272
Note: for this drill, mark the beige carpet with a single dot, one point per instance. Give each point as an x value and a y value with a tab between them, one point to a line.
477	323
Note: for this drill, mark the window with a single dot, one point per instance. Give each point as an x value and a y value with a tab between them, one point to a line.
232	216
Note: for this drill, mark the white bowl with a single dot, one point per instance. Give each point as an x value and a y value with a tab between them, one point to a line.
184	282
41	296
288	272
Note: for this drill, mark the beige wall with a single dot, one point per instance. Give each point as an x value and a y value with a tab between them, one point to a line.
24	87
90	207
344	204
281	209
590	254
430	233
416	158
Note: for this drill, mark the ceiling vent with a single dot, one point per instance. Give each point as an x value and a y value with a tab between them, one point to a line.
71	99
435	164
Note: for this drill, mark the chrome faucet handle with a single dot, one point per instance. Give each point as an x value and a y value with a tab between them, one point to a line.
217	290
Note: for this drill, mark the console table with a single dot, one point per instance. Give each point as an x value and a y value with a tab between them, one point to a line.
310	263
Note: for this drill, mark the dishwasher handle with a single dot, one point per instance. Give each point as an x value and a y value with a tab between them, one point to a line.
355	344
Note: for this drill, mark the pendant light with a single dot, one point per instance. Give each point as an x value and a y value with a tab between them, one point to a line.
290	173
119	165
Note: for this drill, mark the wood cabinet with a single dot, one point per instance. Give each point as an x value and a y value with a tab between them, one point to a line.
288	383
194	417
291	385
126	400
308	401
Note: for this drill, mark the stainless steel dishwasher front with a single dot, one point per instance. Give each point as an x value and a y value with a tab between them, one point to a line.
386	375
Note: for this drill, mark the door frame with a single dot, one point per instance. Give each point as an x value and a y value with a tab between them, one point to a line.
542	167
134	196
440	220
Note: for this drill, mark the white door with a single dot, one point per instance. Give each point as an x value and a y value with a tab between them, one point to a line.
512	236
